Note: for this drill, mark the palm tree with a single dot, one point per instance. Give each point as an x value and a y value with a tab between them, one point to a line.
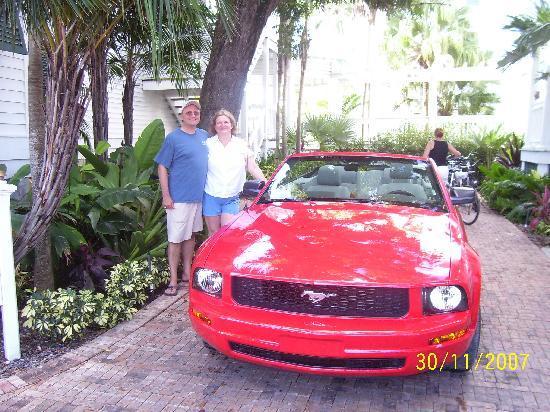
534	33
68	33
131	55
432	34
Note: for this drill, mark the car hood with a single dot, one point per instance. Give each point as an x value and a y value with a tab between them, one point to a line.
337	243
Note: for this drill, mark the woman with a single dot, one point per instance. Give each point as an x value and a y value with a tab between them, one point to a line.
438	149
228	159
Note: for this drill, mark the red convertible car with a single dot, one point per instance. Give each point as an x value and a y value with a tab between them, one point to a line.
344	264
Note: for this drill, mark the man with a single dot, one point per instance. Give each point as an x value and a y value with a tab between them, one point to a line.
182	166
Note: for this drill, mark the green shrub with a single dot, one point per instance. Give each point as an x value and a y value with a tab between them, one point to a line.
62	314
65	314
510	191
407	140
269	164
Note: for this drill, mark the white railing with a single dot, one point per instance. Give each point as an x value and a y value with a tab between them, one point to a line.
8	297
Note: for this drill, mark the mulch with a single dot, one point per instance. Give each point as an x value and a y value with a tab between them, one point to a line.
37	350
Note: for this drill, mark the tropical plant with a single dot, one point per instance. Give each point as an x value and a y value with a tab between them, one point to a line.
510	151
465	98
23	171
92	264
330	131
488	143
432	34
540	213
534	33
130	55
511	192
351	102
114	203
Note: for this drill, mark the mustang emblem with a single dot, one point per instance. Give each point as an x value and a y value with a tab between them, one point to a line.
316	297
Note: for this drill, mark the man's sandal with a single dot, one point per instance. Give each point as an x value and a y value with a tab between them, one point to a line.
171	291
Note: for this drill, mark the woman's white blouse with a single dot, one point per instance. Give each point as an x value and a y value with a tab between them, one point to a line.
226	166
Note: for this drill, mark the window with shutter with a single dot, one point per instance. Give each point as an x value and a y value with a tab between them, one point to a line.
11	40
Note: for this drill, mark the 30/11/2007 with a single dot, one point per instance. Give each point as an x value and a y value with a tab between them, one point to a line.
489	361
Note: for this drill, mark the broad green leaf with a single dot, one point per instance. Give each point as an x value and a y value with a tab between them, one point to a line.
113	175
60	245
16	221
102	147
65	238
129	170
111	197
111	225
74	176
69	199
23	171
94	215
103	181
149	143
82	190
98	164
144	176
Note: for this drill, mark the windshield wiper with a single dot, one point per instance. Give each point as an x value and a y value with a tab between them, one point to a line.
284	199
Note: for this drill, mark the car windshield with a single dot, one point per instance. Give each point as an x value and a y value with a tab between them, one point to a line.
366	179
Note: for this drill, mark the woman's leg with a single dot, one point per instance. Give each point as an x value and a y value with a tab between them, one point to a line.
213	223
226	218
229	209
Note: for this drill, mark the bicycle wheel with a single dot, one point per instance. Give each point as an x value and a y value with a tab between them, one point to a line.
470	212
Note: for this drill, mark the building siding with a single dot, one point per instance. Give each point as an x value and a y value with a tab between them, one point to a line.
148	106
14	144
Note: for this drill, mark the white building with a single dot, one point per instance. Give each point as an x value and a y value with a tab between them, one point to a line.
535	154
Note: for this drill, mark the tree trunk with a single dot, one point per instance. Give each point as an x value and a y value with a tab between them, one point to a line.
128	102
304	47
66	101
284	137
100	97
279	114
230	59
42	269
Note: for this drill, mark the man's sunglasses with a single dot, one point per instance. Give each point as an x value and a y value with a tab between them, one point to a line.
193	113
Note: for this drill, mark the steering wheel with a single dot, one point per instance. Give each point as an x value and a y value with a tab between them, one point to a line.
400	192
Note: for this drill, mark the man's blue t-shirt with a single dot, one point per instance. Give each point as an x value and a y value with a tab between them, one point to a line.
186	158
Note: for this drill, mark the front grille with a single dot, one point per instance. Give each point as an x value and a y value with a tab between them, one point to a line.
315	361
330	300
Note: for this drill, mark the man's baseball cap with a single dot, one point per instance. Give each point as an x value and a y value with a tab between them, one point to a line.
191	103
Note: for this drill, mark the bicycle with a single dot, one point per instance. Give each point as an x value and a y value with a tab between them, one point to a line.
462	184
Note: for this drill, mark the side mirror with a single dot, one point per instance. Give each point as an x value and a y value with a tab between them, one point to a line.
252	188
462	195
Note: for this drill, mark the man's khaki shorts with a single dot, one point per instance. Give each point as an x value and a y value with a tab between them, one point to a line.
183	220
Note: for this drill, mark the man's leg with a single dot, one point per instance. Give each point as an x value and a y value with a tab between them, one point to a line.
173	261
188	247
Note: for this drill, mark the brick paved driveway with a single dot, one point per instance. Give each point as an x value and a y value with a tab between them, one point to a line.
155	362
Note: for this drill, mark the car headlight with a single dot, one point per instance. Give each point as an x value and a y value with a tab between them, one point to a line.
443	299
208	281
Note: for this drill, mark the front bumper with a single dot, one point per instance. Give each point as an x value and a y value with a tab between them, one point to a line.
330	345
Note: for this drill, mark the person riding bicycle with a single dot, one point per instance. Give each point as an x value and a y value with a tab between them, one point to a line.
438	149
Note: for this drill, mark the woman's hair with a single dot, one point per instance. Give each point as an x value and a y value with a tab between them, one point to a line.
438	132
227	113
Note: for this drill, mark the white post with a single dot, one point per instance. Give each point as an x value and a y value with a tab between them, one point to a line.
10	320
